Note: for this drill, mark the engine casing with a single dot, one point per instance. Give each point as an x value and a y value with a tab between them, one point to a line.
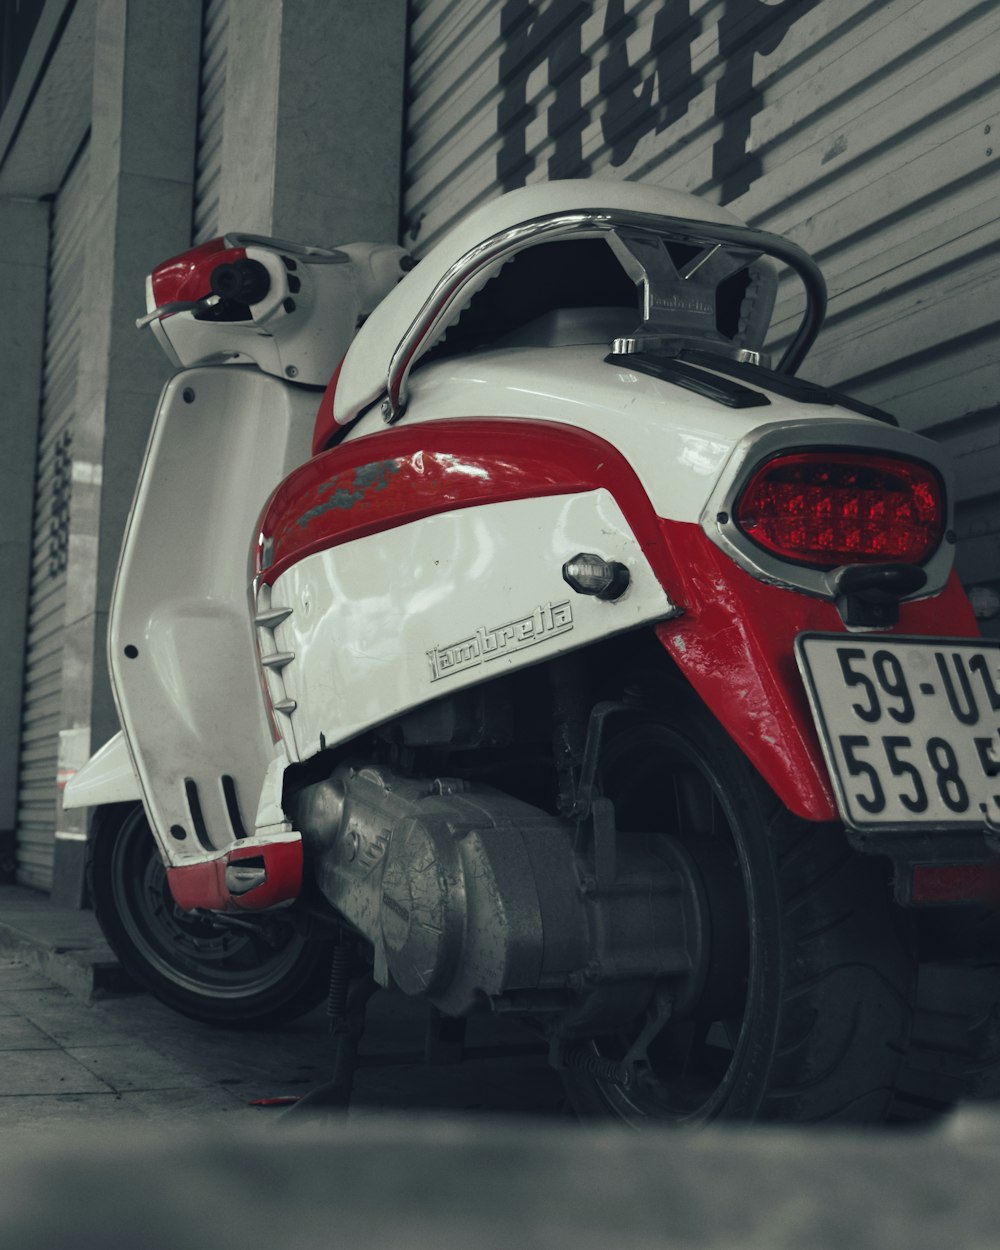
471	897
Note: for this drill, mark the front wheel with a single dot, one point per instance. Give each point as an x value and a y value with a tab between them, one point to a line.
242	970
801	1008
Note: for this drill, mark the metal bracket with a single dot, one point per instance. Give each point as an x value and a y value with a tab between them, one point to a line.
587	785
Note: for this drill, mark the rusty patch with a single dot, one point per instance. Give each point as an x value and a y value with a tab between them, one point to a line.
367	478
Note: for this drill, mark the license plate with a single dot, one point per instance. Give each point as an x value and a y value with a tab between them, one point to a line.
910	728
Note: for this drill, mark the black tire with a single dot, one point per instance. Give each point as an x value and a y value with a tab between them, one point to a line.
805	1007
954	1053
259	971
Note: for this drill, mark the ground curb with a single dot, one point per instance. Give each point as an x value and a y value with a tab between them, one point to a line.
64	945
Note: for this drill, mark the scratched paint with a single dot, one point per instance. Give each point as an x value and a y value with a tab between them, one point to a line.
365	479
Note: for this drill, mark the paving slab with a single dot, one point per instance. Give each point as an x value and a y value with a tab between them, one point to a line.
17	1033
65	1017
134	1124
33	1072
128	1066
53	1118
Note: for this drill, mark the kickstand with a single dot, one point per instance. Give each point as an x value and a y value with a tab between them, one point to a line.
345	1009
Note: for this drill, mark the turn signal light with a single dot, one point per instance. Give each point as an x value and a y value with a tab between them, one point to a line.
590	574
831	508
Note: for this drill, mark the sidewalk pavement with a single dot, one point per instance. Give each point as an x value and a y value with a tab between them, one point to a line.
122	1121
76	1047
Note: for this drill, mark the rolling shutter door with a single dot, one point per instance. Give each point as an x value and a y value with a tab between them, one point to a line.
42	702
208	165
865	131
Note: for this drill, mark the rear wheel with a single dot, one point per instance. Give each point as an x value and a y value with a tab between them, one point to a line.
801	1007
954	1051
240	970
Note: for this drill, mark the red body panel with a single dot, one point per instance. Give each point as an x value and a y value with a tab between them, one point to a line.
326	425
735	645
186	277
735	640
392	478
204	884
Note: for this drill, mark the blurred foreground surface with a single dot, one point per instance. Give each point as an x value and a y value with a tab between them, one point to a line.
123	1123
424	1181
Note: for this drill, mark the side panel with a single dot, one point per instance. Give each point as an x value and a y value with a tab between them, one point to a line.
390	621
181	644
734	637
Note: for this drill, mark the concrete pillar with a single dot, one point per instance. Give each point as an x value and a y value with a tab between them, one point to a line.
312	137
24	224
142	149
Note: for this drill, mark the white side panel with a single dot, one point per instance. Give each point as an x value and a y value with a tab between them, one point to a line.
180	641
396	619
107	777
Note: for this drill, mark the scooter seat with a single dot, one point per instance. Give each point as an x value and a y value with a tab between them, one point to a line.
366	367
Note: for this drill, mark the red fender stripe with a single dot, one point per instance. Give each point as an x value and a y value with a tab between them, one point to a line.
326	425
398	476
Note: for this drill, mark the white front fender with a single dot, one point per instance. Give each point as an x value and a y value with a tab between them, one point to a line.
107	777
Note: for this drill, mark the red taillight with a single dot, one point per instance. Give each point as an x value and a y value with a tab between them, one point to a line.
831	508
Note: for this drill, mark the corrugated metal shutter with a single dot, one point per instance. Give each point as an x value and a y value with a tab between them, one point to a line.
863	129
208	163
53	483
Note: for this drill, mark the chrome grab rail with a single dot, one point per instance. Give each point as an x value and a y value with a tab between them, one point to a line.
597	222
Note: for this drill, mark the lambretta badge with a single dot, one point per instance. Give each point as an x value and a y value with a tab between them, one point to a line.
547	621
661	302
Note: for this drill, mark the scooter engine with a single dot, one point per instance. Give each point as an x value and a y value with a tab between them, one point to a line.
475	899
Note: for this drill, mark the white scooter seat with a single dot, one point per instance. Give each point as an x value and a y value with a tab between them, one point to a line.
369	361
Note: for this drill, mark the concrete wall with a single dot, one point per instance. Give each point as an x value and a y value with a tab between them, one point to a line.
313	119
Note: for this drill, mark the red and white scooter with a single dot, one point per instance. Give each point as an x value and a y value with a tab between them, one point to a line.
593	671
